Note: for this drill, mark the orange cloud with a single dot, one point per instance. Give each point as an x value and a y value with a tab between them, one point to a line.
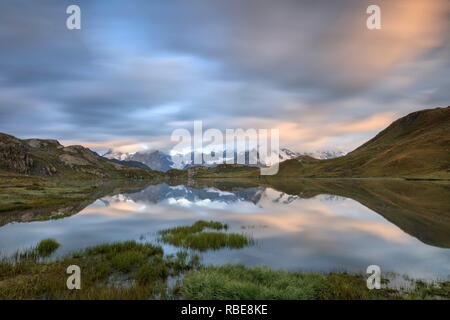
375	122
409	29
122	145
119	144
312	135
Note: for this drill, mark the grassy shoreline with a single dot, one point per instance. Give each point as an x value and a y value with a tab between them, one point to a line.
30	198
122	270
132	270
237	282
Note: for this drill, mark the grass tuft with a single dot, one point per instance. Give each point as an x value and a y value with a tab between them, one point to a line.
236	282
194	237
46	247
198	226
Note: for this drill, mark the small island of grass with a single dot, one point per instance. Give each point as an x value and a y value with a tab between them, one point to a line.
195	237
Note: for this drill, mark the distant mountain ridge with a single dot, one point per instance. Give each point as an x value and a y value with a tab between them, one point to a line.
161	161
154	160
286	154
132	164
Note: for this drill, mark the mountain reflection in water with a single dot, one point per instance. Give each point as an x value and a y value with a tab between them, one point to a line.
309	225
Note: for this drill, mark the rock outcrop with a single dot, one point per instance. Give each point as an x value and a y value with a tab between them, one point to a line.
48	158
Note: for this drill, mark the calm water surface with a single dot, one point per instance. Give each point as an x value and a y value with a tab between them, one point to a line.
321	232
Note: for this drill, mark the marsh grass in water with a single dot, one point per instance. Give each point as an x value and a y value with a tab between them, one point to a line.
198	226
196	237
131	270
125	270
46	247
43	249
237	282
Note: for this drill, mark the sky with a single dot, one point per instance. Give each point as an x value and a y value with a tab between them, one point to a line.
138	70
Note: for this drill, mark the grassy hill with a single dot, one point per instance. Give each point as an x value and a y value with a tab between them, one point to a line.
415	146
48	158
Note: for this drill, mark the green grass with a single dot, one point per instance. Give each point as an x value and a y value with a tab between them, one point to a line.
198	226
28	198
125	270
195	237
54	217
43	249
236	282
35	187
46	247
19	193
131	270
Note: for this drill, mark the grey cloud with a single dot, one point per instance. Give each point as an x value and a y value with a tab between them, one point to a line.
218	61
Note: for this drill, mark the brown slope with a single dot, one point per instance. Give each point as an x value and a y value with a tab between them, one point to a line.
415	146
48	158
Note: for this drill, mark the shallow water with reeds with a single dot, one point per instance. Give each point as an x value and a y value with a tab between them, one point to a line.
311	226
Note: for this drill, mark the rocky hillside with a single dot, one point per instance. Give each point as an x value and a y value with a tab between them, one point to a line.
48	158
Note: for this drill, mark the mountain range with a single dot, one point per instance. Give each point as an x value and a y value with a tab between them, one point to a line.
414	146
161	161
154	160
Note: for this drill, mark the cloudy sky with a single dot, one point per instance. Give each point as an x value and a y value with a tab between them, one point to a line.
137	70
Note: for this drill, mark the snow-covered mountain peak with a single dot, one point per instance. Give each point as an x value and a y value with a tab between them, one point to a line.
161	161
